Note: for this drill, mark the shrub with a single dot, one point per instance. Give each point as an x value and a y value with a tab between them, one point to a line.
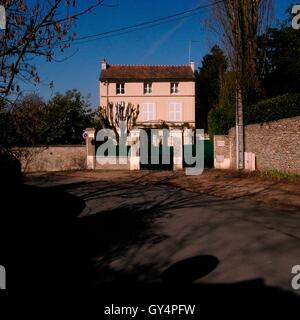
220	120
284	106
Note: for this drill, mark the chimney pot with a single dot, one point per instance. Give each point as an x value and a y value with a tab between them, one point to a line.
192	64
103	64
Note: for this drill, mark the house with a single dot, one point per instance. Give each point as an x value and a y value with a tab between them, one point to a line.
165	93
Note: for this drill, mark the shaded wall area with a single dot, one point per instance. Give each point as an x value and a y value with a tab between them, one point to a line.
51	158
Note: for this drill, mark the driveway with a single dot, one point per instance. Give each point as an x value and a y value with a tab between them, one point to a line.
132	231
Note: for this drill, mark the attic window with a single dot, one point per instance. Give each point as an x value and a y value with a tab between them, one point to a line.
147	87
174	87
120	88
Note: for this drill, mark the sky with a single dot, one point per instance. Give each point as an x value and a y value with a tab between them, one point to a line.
167	43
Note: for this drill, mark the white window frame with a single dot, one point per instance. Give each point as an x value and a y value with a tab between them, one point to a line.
120	88
147	113
175	111
147	87
174	87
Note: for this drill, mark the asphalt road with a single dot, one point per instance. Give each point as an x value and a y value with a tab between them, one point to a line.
133	232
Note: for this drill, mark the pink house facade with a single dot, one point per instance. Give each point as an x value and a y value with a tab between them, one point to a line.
165	94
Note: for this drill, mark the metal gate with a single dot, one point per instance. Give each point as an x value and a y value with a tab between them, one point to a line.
159	156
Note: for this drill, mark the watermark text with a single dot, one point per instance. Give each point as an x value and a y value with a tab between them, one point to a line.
296	278
2	278
296	18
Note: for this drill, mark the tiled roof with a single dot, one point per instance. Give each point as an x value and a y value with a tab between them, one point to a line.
116	72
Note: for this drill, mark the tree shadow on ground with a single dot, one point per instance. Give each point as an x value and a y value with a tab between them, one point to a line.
178	286
49	246
37	224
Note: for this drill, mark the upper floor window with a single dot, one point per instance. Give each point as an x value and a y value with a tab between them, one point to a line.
120	88
174	87
147	87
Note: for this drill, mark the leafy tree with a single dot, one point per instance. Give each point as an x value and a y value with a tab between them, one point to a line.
27	121
33	122
279	60
67	115
209	81
222	117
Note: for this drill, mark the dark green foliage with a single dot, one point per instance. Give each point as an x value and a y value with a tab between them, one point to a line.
33	122
220	120
284	106
208	84
279	61
66	118
222	117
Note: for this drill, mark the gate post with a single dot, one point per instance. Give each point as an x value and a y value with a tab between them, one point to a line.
135	149
90	148
177	149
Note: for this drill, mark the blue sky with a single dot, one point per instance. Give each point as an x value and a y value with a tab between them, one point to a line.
164	44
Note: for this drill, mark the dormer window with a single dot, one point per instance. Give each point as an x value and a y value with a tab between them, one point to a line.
147	87
174	87
120	88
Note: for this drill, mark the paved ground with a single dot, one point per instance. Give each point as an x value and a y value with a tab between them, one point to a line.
230	184
135	230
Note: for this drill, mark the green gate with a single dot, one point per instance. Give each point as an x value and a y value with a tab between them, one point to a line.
208	154
155	156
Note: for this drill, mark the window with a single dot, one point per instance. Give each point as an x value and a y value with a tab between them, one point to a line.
147	87
148	111
174	87
175	111
120	88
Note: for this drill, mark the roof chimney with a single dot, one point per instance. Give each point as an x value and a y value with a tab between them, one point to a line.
103	64
192	64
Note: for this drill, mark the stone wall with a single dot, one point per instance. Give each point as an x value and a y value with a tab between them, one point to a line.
52	158
276	145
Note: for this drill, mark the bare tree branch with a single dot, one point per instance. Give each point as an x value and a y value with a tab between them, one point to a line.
111	116
35	29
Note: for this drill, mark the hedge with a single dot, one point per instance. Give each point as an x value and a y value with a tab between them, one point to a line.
284	106
220	120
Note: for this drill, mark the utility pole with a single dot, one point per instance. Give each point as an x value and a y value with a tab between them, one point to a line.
239	129
239	99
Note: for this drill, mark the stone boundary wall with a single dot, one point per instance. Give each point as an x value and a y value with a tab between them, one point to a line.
52	158
276	145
